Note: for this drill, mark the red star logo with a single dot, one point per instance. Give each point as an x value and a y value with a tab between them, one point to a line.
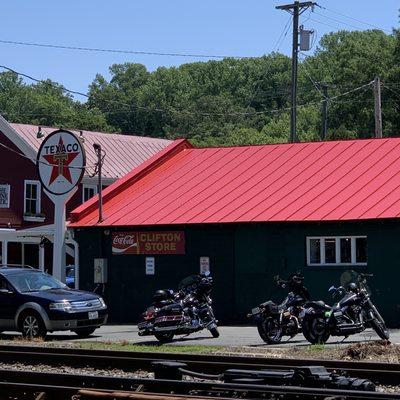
60	161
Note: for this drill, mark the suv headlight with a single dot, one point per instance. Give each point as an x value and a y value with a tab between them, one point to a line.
102	302
61	306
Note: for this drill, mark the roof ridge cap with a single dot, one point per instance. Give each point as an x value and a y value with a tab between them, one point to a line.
133	176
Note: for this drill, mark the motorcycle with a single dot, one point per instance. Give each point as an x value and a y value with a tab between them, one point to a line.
353	313
183	312
275	321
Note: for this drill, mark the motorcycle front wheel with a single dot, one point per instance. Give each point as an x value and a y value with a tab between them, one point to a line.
214	332
270	331
164	337
315	330
379	326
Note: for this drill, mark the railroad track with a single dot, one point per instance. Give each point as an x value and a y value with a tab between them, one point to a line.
381	373
63	386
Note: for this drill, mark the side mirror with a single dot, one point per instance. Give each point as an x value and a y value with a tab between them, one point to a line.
6	291
331	289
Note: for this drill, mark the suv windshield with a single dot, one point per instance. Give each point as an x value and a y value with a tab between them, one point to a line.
31	281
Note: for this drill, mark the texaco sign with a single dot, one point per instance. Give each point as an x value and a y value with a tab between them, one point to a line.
61	162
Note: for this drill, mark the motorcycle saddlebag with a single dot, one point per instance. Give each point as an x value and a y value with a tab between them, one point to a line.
270	307
170	315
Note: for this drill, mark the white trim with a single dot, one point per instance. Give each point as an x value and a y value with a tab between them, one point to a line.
87	186
38	203
93	180
323	263
12	135
4	252
33	219
8	196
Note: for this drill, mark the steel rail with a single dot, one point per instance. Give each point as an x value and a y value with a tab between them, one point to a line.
43	381
382	373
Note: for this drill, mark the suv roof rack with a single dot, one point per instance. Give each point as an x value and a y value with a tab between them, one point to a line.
16	266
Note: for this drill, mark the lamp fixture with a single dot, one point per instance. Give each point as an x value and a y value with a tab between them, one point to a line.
40	133
81	137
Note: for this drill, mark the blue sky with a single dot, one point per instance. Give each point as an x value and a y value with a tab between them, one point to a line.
237	28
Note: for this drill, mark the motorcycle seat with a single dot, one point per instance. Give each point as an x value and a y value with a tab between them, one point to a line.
318	304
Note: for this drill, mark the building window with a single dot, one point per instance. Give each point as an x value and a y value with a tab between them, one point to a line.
337	250
32	198
88	192
4	196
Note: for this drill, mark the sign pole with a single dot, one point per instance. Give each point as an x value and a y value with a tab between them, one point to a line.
60	230
59	239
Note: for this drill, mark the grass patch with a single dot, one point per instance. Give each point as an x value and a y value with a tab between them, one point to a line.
316	347
165	348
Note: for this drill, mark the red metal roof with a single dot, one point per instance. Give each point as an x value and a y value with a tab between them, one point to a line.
320	181
124	152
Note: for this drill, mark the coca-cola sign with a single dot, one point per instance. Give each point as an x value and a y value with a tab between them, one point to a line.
168	242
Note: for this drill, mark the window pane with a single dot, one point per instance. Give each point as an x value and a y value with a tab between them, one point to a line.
315	251
330	251
345	250
33	191
28	191
361	250
89	192
28	206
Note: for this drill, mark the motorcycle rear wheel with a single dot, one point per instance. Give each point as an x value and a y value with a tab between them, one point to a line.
315	330
164	337
272	331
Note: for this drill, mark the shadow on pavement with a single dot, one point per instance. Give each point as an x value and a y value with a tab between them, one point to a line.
49	338
176	340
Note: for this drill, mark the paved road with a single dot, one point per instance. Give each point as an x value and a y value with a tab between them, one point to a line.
229	336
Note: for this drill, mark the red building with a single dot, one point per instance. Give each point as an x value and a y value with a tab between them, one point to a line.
26	213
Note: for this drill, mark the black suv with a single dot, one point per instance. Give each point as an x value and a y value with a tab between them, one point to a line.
35	303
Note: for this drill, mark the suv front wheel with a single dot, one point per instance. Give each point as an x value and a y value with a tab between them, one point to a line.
32	326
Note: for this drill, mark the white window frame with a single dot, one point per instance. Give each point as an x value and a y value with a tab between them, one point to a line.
39	195
88	186
337	252
6	185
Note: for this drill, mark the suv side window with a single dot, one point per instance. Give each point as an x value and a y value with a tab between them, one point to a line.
4	284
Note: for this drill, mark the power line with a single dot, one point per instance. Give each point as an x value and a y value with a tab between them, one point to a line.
391	90
351	91
354	19
41	162
337	20
120	51
315	84
276	47
323	23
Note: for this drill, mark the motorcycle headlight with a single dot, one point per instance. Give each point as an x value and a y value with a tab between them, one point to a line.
102	302
61	306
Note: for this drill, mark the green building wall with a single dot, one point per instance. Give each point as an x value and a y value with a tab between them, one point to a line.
244	258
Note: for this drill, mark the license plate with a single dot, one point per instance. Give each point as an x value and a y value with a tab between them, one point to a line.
93	315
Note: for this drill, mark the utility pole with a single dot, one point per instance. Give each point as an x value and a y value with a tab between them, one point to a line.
324	112
296	9
378	107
